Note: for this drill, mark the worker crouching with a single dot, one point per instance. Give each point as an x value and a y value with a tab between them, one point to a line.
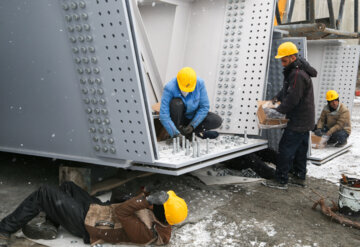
185	107
334	121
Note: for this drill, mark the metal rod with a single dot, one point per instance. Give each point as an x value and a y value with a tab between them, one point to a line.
291	10
313	27
207	145
245	137
297	29
183	142
307	9
312	11
174	145
198	148
178	144
194	149
331	13
356	14
277	13
187	152
341	11
193	136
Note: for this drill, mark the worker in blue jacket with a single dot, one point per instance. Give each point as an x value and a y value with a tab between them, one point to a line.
185	107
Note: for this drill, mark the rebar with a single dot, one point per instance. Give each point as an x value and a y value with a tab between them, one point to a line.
207	145
198	148
245	137
194	150
187	152
177	144
183	143
174	145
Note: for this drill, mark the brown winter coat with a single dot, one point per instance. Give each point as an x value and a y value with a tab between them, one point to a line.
335	120
127	222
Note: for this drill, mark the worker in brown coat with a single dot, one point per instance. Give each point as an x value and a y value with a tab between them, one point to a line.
334	121
139	220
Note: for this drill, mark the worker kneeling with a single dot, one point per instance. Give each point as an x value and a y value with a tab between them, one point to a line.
185	107
334	121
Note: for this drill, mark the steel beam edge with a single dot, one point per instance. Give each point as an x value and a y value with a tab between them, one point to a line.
196	166
96	161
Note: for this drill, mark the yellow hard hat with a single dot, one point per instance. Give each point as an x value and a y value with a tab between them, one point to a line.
286	49
186	79
175	209
331	95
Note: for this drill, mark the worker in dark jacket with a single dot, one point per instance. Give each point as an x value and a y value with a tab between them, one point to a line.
140	220
297	102
185	107
334	121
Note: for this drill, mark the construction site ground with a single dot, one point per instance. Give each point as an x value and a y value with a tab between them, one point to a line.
231	215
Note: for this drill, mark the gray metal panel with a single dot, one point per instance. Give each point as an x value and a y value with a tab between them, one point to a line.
119	73
243	63
338	72
275	82
48	62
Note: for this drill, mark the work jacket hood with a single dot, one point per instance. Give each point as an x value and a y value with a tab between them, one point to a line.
302	64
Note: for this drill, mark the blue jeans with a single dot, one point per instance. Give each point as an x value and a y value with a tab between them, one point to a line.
339	136
292	155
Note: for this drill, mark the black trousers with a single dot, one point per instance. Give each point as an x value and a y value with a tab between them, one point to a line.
66	205
292	155
177	114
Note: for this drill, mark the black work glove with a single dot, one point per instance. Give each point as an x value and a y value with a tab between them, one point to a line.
170	141
274	100
318	132
158	198
188	130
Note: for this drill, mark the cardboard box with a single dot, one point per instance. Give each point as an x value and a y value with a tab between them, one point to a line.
269	123
317	142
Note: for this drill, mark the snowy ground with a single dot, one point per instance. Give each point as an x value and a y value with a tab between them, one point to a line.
348	163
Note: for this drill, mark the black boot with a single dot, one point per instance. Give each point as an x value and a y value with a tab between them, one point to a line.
44	230
4	239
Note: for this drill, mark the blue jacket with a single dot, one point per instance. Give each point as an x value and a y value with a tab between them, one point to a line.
196	104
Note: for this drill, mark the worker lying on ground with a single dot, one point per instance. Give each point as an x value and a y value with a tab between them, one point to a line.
140	220
185	107
297	102
334	121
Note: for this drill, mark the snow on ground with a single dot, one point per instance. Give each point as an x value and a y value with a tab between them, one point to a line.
348	163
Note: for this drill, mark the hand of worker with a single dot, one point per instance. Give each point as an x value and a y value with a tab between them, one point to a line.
318	132
187	130
274	100
170	140
158	198
328	133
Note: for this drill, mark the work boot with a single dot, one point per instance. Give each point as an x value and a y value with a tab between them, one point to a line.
211	134
340	144
44	230
296	181
4	239
331	142
275	184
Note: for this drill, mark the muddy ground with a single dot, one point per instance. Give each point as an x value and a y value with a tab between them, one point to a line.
232	215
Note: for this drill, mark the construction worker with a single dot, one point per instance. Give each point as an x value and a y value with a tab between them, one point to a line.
185	107
334	121
140	220
297	102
